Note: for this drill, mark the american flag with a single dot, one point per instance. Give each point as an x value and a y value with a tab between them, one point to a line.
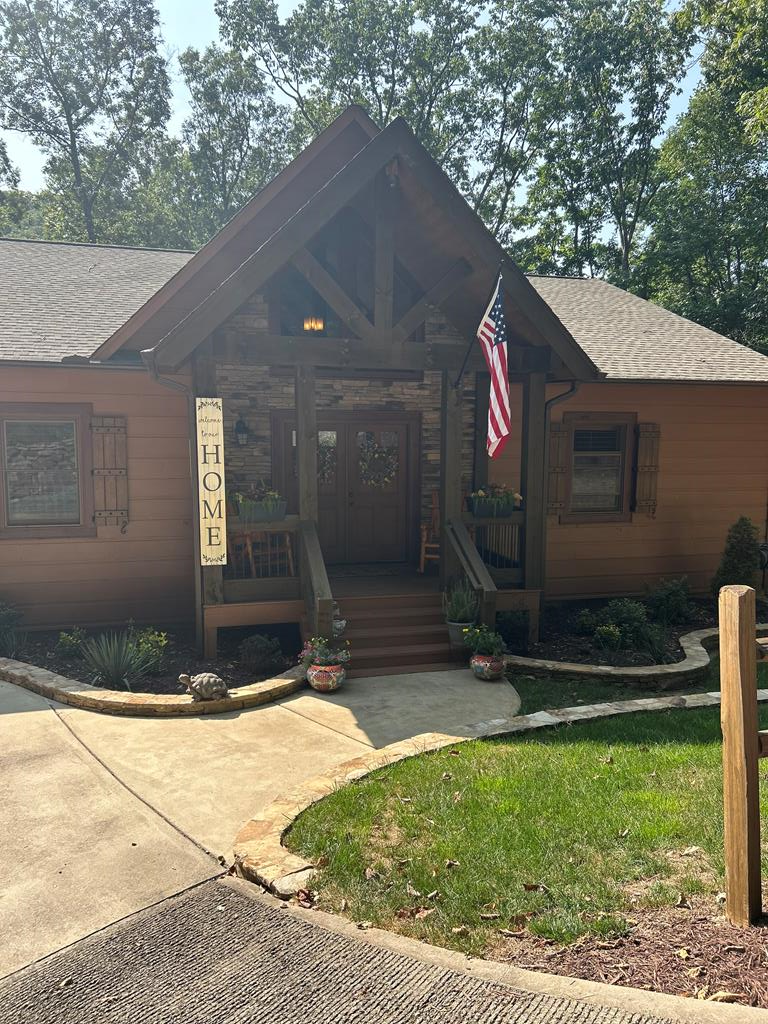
492	335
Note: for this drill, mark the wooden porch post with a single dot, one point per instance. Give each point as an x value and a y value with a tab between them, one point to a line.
306	442
451	436
209	580
533	472
482	399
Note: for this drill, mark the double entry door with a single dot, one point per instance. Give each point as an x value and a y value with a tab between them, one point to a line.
367	475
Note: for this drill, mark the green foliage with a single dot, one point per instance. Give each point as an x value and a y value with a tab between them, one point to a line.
669	602
151	644
608	637
481	640
320	651
741	557
116	659
70	644
11	639
261	654
586	622
460	602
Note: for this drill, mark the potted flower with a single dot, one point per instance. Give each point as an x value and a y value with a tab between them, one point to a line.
325	663
460	608
493	501
487	661
258	503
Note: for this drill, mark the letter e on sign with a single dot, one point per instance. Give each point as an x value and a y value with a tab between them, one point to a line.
211	499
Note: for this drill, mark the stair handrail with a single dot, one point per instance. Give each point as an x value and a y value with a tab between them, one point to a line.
474	568
316	589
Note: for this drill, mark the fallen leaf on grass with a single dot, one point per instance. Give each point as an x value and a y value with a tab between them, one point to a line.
682	902
535	887
725	997
624	833
411	891
371	874
606	760
363	925
423	912
691	851
490	915
456	796
405	800
404	862
432	895
509	934
322	862
720	898
343	905
454	753
446	776
411	913
305	898
452	863
460	930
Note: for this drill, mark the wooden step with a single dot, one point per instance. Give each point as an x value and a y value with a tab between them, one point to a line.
403	670
378	635
430	600
401	654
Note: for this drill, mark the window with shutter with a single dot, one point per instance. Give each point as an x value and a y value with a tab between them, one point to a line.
110	470
647	467
598	477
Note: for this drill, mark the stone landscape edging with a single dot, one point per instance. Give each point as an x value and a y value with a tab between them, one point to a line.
113	702
694	665
259	853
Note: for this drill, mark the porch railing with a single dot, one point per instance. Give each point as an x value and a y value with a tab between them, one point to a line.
262	551
474	568
499	543
315	588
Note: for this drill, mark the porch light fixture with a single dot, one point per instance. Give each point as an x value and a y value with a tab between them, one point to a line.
242	433
313	324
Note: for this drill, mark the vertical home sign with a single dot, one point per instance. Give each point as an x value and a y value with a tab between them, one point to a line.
210	481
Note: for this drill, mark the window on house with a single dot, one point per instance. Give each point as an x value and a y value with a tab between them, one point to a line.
600	467
42	457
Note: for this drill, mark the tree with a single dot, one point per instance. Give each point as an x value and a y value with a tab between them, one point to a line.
741	557
85	81
705	255
622	61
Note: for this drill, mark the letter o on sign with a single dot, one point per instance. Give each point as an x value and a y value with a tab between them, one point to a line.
216	476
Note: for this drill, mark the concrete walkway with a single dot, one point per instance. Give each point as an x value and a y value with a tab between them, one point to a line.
101	816
216	956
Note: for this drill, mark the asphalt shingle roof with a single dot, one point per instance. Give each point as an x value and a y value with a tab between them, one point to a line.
60	299
629	338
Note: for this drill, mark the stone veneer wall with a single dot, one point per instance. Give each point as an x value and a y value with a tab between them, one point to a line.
255	392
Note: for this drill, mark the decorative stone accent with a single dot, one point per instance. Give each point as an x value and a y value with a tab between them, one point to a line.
112	702
694	665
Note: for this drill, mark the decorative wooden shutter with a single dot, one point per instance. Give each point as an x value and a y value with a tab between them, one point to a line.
110	471
559	437
647	467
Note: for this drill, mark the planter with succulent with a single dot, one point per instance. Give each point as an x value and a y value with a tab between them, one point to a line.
258	503
460	608
487	660
325	663
494	501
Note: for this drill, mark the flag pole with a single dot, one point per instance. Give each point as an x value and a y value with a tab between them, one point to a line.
460	377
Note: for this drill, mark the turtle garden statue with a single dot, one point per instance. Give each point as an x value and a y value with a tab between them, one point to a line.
206	686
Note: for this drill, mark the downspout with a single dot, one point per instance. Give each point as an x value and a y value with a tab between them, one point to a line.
149	358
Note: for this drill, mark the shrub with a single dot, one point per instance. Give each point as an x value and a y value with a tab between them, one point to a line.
460	602
151	643
624	613
116	659
741	557
669	602
481	640
11	641
586	622
70	645
261	654
513	629
608	637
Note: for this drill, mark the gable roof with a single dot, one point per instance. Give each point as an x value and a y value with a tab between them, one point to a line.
297	205
633	339
63	299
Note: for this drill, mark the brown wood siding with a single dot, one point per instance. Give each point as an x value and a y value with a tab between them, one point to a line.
713	468
145	573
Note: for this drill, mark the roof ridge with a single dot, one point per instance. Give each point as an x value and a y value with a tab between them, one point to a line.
95	245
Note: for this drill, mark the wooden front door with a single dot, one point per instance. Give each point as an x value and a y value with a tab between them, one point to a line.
367	484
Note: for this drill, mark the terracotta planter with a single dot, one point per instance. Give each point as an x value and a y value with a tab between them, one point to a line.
326	678
487	666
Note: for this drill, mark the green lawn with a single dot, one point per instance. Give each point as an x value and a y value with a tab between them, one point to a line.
565	831
538	694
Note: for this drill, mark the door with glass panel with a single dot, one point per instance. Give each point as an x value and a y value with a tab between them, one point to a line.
367	485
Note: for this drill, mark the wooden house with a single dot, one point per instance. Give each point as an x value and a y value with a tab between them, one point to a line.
332	317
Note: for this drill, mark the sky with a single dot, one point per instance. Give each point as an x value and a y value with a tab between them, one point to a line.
194	23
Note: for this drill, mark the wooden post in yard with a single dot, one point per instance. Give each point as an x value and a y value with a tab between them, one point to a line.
741	751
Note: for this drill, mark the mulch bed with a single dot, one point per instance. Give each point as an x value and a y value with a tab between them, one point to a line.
688	951
560	641
180	656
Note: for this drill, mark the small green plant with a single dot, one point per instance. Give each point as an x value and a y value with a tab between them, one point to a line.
319	651
116	659
70	645
741	557
152	643
11	640
669	602
585	622
481	640
608	637
624	613
261	654
460	602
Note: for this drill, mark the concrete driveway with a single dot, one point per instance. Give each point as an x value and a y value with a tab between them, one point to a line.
101	816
